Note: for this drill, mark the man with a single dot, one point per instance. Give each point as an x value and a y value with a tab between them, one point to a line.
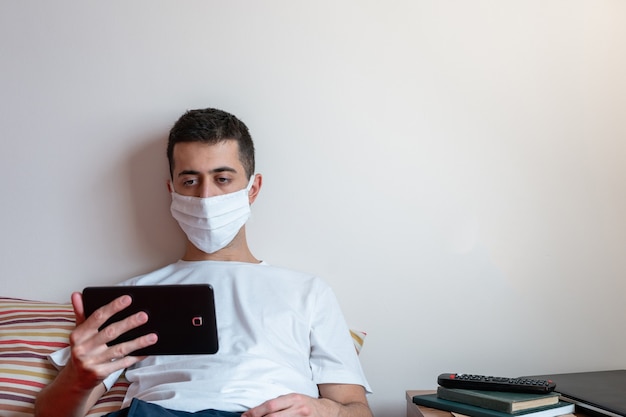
285	349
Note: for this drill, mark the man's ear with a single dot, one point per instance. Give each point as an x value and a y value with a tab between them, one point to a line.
256	187
170	188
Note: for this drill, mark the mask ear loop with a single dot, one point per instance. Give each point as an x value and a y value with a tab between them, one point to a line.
251	182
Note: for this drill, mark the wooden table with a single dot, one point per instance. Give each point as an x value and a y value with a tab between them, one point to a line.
414	410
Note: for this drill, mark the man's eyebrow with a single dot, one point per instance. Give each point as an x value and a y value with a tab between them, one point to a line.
213	171
188	172
223	169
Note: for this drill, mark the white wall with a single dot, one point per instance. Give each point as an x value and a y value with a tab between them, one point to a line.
454	169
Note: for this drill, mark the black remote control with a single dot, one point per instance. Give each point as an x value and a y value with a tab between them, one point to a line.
493	383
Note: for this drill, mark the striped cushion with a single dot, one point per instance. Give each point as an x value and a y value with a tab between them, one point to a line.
29	331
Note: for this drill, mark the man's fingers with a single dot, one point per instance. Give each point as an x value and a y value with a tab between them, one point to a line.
89	331
116	357
77	305
103	360
120	352
273	406
91	354
101	315
114	330
87	327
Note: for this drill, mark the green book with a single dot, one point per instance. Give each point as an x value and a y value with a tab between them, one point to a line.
507	402
431	400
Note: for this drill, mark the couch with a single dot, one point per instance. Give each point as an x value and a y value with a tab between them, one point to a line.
29	331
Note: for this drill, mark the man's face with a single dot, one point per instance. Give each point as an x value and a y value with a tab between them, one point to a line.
202	170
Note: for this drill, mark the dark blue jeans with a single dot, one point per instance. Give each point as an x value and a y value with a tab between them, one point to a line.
140	408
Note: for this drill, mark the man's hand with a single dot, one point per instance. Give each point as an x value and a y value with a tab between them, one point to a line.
286	405
91	358
79	384
338	400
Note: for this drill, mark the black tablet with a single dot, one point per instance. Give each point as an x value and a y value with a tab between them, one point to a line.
183	316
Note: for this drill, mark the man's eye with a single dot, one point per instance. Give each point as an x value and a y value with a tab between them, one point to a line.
188	183
223	180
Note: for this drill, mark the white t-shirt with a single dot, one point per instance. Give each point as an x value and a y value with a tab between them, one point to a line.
279	332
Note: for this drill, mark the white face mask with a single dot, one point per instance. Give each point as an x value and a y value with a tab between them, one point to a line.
211	223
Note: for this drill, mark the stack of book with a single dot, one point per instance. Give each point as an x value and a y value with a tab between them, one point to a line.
481	403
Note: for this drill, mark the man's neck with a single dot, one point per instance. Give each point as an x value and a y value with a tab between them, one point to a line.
235	251
194	254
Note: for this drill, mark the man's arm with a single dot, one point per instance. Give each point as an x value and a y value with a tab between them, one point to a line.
350	399
66	397
79	384
336	400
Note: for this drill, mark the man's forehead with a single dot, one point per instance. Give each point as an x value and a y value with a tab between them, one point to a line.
217	170
222	143
217	157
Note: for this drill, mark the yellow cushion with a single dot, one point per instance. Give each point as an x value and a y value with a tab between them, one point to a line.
358	337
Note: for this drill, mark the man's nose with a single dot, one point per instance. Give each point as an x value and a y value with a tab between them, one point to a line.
205	190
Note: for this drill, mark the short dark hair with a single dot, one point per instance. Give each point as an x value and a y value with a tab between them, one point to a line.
212	126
